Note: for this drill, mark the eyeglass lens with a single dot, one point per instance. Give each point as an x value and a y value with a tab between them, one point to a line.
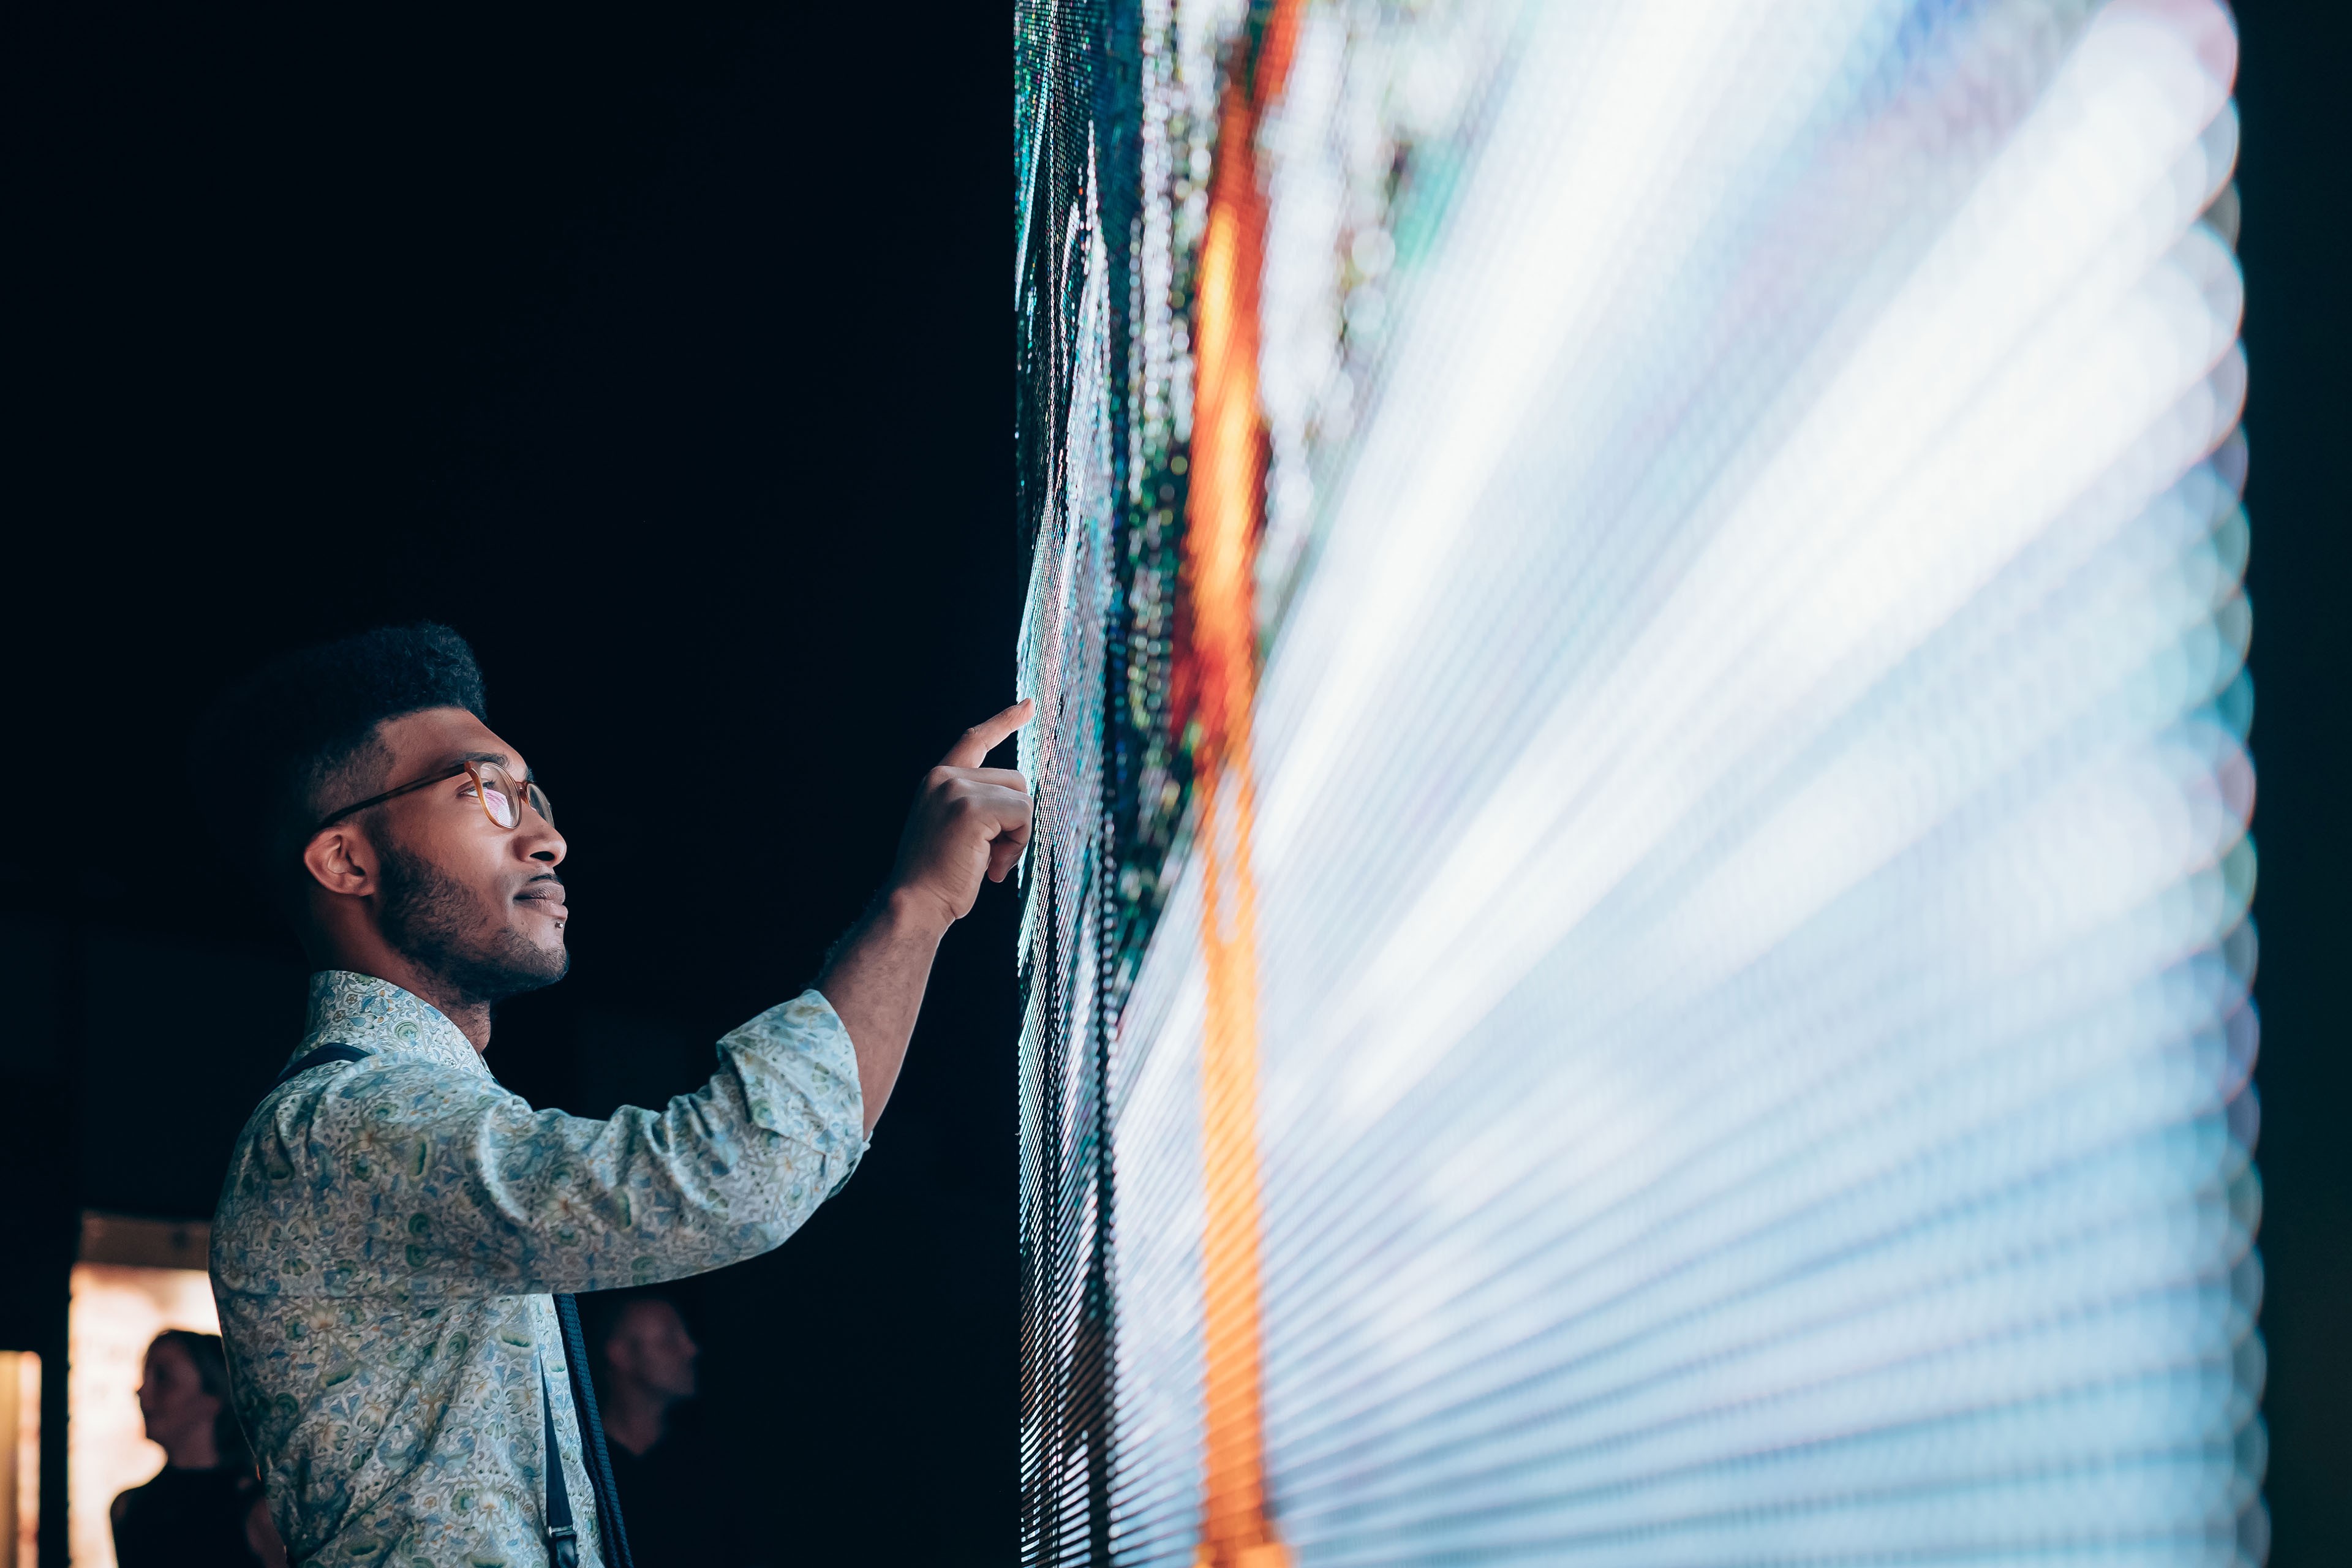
499	797
503	796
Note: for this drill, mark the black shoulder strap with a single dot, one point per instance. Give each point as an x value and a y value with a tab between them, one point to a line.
332	1051
592	1437
562	1540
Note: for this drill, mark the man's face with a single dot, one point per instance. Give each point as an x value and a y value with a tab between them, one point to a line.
478	905
650	1345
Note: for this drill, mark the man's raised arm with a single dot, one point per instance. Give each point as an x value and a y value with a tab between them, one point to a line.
968	822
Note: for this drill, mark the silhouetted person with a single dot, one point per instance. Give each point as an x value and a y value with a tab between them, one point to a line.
205	1508
649	1365
681	1502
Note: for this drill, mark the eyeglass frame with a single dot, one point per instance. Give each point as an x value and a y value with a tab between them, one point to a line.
532	796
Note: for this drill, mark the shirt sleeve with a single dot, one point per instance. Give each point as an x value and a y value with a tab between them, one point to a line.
415	1177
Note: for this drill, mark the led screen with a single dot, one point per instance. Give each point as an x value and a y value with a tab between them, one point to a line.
1638	948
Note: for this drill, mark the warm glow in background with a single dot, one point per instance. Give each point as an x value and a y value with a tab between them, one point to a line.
20	1466
118	1310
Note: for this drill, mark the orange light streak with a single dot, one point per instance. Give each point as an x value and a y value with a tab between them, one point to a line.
1225	515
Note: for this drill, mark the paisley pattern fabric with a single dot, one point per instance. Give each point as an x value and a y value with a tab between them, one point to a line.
391	1230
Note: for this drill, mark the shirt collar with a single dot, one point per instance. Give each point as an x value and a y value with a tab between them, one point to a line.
378	1016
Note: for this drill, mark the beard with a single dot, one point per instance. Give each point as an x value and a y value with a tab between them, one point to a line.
437	921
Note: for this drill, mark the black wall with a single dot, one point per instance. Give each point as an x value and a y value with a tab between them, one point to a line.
2291	179
666	357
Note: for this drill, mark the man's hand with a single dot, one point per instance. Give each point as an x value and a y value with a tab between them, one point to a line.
969	822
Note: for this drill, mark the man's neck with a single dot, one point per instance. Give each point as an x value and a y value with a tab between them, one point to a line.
636	1416
472	1018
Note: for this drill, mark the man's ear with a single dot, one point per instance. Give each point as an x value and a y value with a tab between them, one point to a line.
341	860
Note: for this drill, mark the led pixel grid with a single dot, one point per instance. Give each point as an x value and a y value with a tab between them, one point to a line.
1638	950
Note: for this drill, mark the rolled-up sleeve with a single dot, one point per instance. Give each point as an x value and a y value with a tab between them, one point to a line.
451	1184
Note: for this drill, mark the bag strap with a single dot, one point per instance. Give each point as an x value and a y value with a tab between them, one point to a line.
562	1539
592	1434
332	1051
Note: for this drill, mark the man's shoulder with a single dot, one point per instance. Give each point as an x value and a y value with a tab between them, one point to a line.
334	1076
334	1121
310	1085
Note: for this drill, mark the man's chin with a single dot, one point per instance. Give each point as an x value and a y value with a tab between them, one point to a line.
515	965
545	965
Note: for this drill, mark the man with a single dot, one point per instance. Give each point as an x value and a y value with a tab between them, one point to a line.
645	1366
391	1226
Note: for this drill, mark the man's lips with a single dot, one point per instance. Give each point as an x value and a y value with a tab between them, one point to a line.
547	897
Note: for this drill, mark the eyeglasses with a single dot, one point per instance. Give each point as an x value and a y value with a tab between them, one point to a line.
502	793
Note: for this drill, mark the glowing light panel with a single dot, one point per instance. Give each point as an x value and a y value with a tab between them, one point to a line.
1748	801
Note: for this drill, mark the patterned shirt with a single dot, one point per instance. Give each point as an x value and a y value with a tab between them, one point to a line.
390	1232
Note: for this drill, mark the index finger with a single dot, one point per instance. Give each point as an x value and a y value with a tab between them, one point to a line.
972	748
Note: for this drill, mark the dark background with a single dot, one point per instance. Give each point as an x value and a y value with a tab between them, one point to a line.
2292	107
665	357
670	361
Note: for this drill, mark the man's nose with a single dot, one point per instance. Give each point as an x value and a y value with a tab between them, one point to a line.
540	841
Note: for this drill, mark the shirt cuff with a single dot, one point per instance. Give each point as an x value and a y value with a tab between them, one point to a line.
808	1085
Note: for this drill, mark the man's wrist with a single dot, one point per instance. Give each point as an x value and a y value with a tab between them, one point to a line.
912	910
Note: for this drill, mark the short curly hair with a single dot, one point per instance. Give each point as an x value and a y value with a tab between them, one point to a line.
267	751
